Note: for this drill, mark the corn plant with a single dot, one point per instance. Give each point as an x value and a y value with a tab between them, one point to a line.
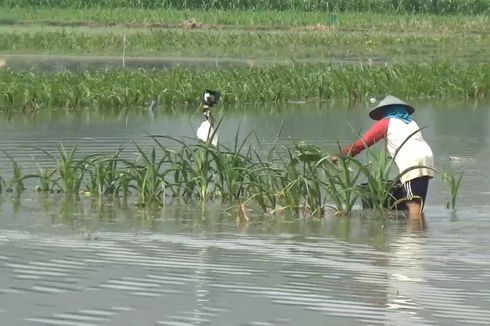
231	169
340	183
313	179
131	88
17	180
377	189
172	173
70	170
191	169
262	184
46	177
104	177
289	183
454	183
146	177
327	183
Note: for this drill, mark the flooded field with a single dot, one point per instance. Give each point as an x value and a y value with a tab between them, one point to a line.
76	63
83	262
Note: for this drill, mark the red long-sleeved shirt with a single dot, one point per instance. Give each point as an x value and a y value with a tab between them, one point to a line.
377	132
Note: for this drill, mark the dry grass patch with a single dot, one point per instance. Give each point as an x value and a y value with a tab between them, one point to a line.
192	24
318	28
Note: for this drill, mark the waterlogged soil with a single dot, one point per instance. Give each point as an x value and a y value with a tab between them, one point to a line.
89	262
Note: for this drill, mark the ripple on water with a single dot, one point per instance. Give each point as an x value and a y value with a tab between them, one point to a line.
184	279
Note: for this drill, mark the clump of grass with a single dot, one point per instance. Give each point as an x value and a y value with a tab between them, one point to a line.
104	177
146	174
17	181
454	182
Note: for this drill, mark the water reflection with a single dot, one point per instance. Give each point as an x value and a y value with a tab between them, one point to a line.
78	261
187	262
416	225
78	214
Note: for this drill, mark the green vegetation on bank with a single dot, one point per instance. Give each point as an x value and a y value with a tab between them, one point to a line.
443	7
391	46
263	19
120	88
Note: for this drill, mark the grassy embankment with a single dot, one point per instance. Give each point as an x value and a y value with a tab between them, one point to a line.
117	89
285	55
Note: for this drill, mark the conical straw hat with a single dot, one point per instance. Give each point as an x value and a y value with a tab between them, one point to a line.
377	112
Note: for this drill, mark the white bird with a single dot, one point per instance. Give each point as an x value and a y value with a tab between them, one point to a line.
207	131
153	109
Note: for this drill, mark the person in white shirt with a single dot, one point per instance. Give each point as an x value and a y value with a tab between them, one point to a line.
404	139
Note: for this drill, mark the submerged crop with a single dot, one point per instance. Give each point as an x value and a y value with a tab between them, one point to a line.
301	179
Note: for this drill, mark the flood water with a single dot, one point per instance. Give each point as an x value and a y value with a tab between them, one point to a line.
81	262
86	63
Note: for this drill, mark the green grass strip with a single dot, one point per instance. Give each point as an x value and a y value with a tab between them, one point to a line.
385	6
279	83
400	45
262	19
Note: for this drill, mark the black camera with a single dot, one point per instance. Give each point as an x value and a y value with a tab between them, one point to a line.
210	97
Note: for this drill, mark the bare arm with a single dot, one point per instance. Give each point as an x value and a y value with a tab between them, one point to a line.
373	135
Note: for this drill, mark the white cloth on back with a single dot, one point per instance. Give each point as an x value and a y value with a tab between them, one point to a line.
414	152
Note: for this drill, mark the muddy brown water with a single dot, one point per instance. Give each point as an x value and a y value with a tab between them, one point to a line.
69	262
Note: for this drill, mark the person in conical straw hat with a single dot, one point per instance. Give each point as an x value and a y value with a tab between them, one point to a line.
403	138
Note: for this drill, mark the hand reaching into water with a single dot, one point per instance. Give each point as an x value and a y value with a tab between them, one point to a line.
334	159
